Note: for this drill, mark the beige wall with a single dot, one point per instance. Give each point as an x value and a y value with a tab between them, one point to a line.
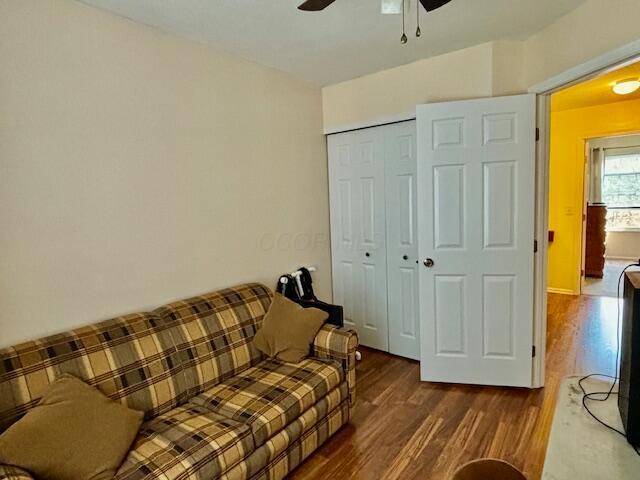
136	168
398	90
497	68
508	68
623	245
592	29
489	69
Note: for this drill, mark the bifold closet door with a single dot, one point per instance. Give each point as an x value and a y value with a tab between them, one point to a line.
402	244
357	198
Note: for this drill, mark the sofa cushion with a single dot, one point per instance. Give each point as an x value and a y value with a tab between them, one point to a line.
330	412
288	330
188	443
214	333
8	472
74	433
131	359
272	394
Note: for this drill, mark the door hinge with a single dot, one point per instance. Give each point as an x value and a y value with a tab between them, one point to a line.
533	351
537	134
535	246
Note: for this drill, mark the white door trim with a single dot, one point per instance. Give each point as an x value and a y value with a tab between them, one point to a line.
541	235
612	60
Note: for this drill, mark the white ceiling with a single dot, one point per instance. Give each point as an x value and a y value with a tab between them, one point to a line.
348	39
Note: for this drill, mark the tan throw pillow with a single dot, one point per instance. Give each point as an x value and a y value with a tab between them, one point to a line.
74	433
288	330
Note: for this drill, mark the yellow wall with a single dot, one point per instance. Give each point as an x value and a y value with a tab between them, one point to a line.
569	131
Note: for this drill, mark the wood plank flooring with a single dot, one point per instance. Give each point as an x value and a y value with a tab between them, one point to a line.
405	429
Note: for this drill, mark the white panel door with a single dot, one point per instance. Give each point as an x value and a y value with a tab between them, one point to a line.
356	172
476	162
402	239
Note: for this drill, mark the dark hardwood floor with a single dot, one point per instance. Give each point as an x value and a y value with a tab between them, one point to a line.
405	429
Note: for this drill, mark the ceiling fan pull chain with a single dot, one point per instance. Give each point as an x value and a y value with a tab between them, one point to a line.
418	31
404	38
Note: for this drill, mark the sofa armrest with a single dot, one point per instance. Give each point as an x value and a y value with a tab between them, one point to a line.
8	472
339	344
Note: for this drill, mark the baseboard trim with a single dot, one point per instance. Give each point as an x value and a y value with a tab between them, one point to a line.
561	291
631	259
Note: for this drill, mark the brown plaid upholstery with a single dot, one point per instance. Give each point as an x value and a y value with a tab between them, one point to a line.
13	473
247	417
189	442
298	451
279	443
339	344
131	359
214	333
271	395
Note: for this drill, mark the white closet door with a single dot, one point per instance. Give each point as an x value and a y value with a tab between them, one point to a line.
344	222
402	244
356	173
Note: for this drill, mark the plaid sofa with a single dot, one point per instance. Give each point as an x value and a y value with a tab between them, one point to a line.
214	406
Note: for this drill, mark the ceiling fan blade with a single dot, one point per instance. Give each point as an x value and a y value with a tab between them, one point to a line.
431	5
315	5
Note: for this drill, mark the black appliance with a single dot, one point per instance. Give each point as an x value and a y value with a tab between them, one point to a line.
629	397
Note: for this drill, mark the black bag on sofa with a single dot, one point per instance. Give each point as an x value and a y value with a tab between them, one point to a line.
307	297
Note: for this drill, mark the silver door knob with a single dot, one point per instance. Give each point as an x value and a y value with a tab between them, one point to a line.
428	263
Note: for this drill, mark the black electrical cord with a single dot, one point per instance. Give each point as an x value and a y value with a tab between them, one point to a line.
597	396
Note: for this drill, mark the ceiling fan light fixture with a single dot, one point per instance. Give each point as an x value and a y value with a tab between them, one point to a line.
404	38
627	86
386	7
391	7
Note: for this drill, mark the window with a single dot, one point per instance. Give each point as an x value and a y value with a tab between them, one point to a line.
621	191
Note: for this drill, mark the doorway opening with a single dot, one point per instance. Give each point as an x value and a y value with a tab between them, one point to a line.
547	238
613	193
594	183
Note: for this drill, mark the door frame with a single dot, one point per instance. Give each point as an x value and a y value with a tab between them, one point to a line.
608	62
586	182
587	140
